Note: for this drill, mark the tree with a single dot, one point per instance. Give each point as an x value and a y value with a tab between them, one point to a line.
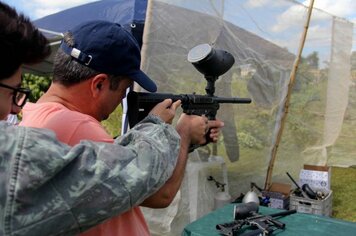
353	60
38	85
313	60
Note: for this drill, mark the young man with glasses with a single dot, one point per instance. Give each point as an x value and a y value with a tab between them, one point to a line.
47	186
19	95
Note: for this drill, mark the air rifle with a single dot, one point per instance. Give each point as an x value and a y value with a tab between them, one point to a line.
211	63
246	214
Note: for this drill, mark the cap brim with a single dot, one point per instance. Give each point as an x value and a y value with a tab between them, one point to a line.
144	81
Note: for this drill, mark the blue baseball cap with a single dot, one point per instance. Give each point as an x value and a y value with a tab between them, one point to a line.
108	48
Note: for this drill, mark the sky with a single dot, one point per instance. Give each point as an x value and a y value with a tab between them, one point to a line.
36	9
39	8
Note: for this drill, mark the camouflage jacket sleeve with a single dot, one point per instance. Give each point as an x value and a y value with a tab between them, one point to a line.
49	188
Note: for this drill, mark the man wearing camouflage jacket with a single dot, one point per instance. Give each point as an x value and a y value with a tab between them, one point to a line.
46	187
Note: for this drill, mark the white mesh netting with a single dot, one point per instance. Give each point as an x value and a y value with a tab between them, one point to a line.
263	37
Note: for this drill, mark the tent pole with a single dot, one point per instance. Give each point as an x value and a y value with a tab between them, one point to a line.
146	32
287	99
136	87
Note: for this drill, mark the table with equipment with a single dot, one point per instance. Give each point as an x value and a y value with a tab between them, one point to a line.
295	224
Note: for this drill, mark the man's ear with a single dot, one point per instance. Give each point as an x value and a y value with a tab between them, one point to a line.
98	84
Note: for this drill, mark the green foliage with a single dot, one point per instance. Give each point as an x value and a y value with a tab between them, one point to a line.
307	98
113	123
353	61
248	141
313	60
38	85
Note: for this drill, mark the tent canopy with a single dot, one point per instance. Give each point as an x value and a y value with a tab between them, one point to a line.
129	13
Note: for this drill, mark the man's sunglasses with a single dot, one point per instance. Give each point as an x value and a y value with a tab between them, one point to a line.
20	95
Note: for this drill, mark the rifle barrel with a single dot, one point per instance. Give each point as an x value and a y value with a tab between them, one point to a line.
232	100
159	97
283	213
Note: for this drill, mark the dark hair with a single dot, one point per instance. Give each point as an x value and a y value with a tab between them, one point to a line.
20	41
68	71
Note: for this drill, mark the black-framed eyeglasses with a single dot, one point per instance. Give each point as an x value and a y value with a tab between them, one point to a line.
19	96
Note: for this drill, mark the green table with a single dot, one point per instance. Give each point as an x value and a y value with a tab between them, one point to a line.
296	224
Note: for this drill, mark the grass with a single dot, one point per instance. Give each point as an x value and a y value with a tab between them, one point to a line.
344	193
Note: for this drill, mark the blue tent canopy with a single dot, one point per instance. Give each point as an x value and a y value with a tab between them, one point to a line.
128	13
